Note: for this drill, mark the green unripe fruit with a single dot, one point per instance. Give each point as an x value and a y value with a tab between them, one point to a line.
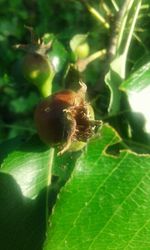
80	46
36	67
82	51
38	71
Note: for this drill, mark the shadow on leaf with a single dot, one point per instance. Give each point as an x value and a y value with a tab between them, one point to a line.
22	220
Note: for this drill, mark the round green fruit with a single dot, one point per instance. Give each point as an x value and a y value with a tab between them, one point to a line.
82	51
38	71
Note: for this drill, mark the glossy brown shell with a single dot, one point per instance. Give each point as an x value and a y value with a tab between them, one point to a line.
51	119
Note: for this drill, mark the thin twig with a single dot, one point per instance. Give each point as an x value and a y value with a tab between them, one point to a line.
96	14
132	29
82	63
52	151
115	5
106	9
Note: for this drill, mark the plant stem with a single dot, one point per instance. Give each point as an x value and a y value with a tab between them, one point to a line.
128	41
115	5
132	28
125	14
96	14
52	151
82	63
106	9
119	47
96	55
118	30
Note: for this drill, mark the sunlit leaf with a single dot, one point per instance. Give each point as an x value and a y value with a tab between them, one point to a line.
24	178
29	165
137	88
105	204
113	79
57	54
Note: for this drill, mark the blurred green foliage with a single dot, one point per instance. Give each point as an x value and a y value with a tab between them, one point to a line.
63	20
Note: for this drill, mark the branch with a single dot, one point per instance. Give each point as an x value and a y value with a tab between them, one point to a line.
96	14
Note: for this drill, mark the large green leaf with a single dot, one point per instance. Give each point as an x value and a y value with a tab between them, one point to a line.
24	177
22	220
57	54
29	167
10	145
105	204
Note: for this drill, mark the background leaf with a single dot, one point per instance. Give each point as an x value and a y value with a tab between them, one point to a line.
105	204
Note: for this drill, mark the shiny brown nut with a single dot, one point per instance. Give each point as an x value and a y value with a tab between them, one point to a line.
64	118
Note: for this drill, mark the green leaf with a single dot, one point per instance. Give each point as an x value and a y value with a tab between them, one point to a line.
118	65
113	79
29	166
24	178
24	183
137	88
22	220
138	81
10	145
105	204
58	55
